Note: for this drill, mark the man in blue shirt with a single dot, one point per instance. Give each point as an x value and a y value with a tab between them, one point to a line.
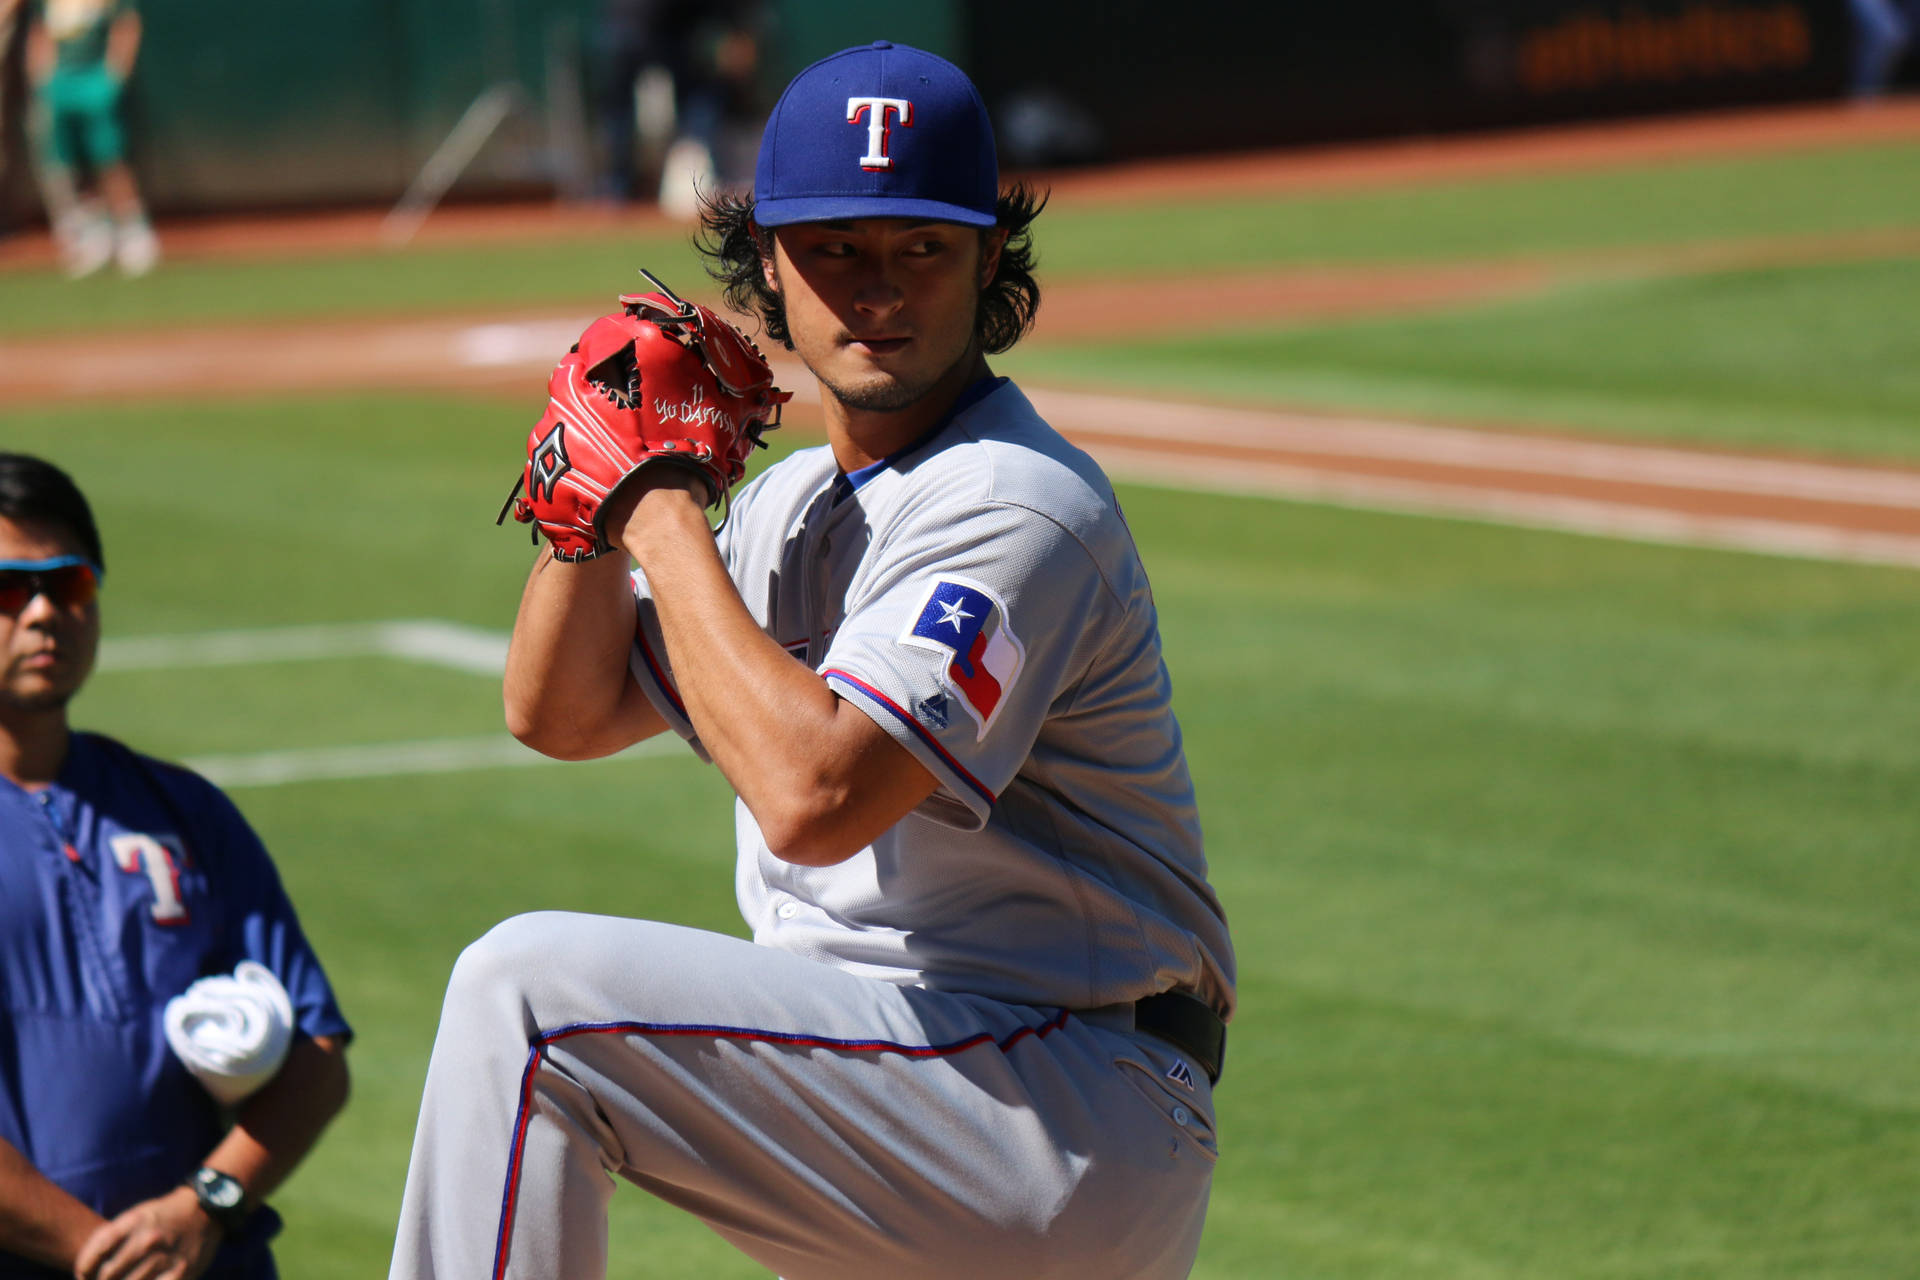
124	880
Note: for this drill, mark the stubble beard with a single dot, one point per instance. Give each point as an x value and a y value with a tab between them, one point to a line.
879	397
887	394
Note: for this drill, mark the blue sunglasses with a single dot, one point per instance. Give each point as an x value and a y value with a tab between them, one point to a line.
71	582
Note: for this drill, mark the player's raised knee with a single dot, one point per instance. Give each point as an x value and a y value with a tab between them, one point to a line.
507	955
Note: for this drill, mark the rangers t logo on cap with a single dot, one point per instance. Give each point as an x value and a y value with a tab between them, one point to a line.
875	109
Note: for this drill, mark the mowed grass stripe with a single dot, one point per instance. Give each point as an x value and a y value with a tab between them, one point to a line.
1407	1141
1867	188
1537	899
1819	359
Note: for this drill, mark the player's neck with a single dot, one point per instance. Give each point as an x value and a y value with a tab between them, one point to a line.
33	745
861	437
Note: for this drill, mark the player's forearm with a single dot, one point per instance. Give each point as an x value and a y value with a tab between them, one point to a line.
277	1126
760	714
771	724
38	1220
567	692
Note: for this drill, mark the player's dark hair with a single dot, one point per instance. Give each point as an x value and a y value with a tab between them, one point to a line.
33	489
734	244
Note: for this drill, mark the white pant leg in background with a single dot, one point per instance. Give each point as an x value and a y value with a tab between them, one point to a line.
831	1126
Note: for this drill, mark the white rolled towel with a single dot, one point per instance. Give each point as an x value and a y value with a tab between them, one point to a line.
232	1032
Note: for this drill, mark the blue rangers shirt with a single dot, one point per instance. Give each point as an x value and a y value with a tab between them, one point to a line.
121	884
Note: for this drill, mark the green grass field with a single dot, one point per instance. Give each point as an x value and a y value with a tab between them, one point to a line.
1820	359
1573	881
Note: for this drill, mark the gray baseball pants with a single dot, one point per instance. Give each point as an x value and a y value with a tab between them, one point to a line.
831	1126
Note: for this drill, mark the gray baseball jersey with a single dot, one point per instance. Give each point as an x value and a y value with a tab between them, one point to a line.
926	1064
981	598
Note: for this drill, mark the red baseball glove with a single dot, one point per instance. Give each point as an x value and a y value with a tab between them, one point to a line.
660	380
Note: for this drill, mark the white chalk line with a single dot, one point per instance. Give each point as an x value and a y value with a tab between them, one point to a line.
1550	512
434	643
394	759
1334	436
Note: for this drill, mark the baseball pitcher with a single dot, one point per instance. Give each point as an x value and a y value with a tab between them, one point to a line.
979	1024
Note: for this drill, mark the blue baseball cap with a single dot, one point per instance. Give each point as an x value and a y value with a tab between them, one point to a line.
879	131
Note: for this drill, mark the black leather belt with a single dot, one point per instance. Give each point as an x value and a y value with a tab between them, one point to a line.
1189	1024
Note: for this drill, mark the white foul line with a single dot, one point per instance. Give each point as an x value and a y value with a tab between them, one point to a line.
440	644
1335	436
390	759
1503	507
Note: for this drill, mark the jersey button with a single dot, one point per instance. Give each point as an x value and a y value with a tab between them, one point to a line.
1180	1115
787	910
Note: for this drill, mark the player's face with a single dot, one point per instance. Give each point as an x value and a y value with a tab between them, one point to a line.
46	647
882	310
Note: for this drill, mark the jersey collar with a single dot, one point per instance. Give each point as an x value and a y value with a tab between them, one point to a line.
847	483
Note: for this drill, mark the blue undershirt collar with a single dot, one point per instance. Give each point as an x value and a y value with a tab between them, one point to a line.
848	482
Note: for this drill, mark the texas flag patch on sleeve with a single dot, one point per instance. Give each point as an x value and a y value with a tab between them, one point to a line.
968	624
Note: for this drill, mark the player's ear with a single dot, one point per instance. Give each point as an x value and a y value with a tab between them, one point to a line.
763	240
992	241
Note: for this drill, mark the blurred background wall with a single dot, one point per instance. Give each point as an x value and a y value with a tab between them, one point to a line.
236	104
1249	76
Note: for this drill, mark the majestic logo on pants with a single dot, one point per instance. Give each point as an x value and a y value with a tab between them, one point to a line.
549	464
969	625
875	109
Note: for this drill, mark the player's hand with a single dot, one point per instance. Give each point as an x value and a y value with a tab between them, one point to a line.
166	1238
625	508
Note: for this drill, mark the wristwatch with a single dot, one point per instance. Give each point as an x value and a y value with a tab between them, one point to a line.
222	1198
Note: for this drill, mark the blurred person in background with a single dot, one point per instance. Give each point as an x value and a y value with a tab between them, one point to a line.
711	51
1883	32
123	882
79	55
9	23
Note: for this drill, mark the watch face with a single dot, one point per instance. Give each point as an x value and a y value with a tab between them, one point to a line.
219	1190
